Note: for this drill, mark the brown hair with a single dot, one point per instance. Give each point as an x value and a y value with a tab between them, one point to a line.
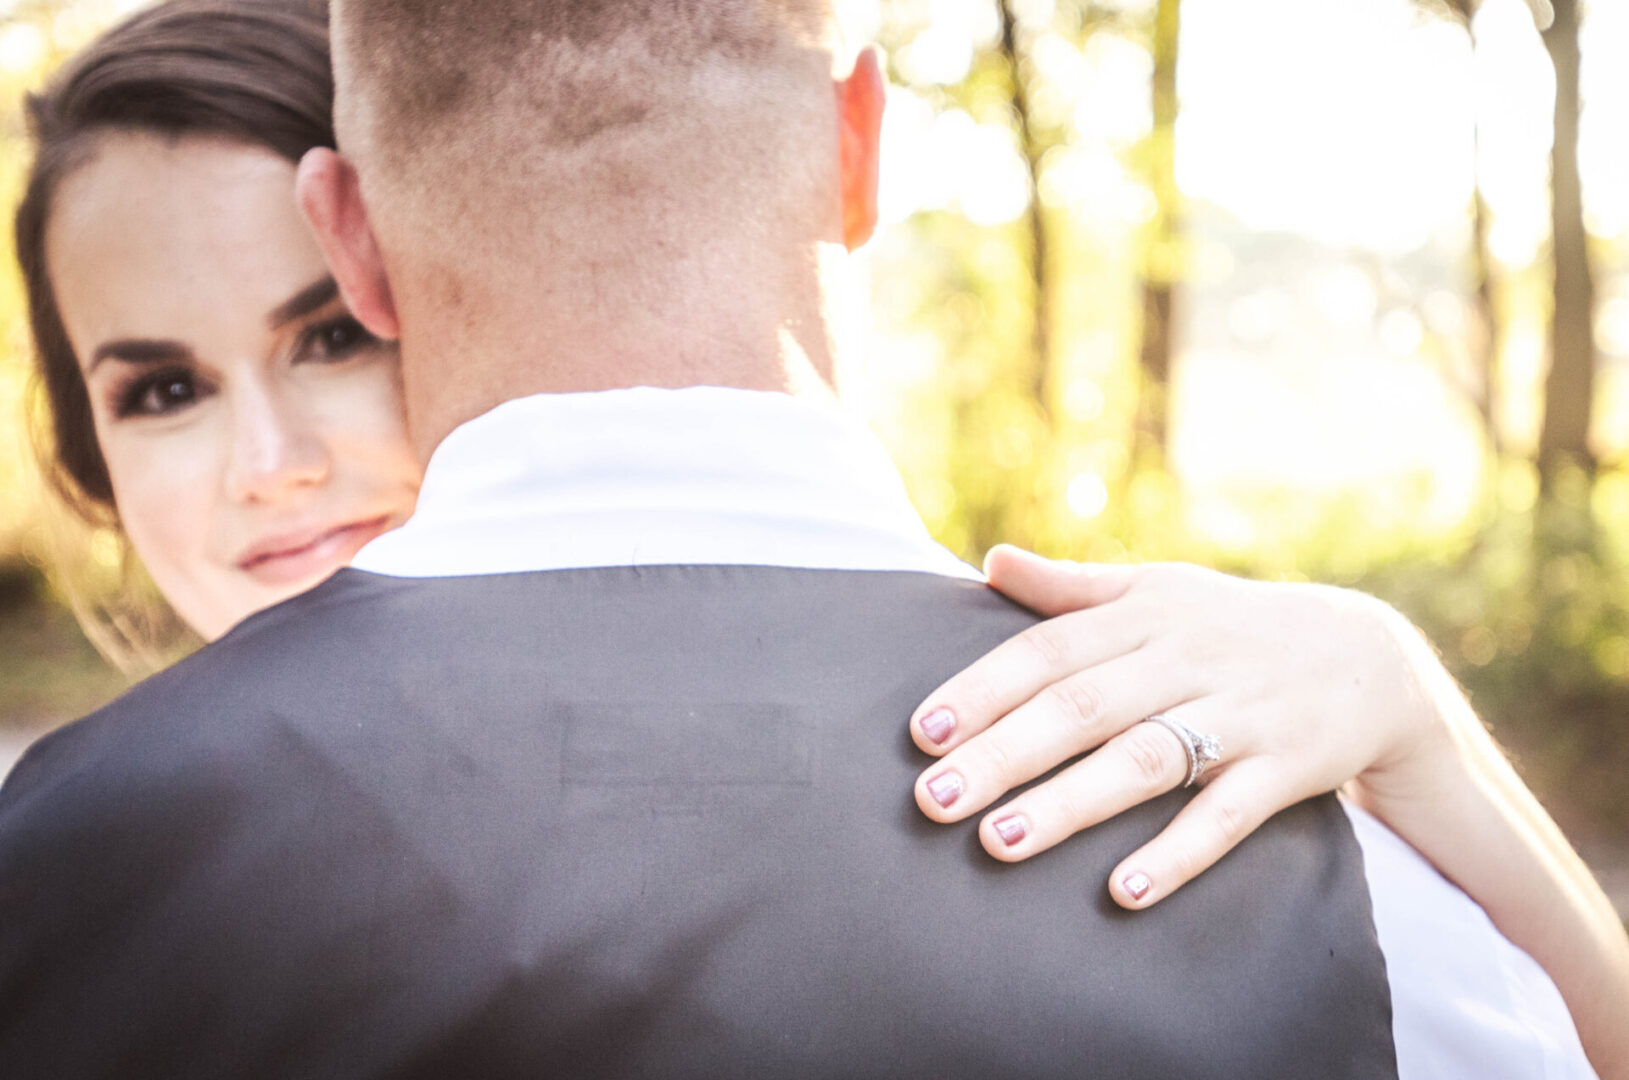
253	71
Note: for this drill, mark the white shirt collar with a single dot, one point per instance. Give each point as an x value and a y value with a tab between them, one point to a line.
646	477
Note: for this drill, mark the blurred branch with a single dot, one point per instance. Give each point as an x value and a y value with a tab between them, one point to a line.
1092	17
1487	346
1543	13
1459	11
1463	10
1483	386
1032	149
1164	238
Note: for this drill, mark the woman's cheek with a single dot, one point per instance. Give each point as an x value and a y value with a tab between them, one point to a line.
364	413
167	498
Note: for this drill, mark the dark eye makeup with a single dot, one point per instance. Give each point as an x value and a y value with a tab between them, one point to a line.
333	340
153	390
158	393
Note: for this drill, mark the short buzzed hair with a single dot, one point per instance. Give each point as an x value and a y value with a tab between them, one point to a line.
425	62
435	96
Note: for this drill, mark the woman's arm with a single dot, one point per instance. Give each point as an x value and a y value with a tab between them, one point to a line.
1309	689
1462	806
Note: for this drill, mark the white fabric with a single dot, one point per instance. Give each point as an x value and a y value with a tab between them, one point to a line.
716	476
1465	1001
646	477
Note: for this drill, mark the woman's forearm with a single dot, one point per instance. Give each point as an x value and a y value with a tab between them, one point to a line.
1308	688
1462	806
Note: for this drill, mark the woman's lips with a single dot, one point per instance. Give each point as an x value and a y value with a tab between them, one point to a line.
289	560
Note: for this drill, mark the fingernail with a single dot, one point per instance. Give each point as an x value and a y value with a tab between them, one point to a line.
1137	885
1011	829
946	788
938	725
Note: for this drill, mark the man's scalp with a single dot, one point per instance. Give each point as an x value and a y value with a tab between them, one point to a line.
581	65
597	130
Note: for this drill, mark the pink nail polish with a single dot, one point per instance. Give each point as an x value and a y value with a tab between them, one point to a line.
1137	885
939	725
1011	829
946	788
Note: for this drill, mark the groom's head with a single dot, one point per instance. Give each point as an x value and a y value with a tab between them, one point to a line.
589	193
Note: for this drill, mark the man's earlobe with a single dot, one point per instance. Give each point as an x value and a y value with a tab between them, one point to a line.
330	195
860	100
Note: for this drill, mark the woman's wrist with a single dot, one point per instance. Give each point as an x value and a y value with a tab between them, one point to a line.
1434	730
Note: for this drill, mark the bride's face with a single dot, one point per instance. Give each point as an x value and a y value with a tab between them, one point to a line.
252	429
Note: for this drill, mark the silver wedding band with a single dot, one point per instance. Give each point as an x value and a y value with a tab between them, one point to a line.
1203	750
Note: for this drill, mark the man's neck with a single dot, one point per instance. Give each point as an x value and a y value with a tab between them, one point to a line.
457	369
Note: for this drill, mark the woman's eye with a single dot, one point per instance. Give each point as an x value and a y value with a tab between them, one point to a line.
335	340
158	395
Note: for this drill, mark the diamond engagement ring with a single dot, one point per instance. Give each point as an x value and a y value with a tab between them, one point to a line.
1203	750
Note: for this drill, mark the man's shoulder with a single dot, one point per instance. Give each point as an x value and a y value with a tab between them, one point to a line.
204	707
360	639
160	706
659	786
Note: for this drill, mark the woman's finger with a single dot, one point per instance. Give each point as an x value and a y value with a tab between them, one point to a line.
1139	764
1064	721
1051	586
1024	666
1224	813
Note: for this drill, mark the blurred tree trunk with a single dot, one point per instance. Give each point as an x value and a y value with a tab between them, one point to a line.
1569	389
1032	495
1487	344
1161	253
1041	351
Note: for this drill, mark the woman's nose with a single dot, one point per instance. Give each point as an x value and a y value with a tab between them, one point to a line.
275	449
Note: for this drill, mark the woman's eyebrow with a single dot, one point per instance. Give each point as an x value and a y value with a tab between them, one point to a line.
311	298
140	351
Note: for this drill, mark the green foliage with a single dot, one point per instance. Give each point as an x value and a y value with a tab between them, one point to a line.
50	672
1533	617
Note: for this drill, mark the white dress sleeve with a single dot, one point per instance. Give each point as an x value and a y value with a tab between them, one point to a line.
1466	1003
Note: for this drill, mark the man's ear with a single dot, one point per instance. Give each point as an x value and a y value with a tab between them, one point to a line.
860	101
330	194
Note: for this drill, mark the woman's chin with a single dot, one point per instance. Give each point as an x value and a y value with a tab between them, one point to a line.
235	605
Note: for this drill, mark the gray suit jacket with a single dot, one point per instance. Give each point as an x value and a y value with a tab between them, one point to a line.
624	822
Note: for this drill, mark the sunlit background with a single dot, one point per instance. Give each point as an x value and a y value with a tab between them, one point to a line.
1265	284
1327	158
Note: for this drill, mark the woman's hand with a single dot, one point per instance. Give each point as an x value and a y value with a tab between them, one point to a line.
1307	687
